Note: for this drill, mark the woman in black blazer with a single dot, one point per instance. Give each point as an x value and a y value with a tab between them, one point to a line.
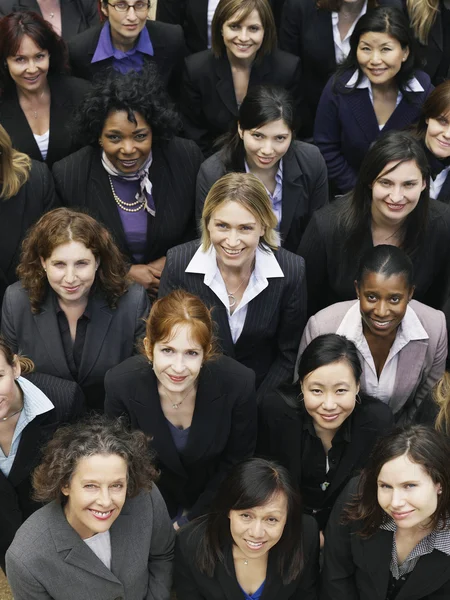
389	533
135	176
198	408
255	544
322	429
243	54
257	289
73	312
37	98
33	406
294	173
26	192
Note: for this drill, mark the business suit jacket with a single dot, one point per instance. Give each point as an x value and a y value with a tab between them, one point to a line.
76	15
223	430
82	182
111	336
346	125
17	214
275	319
330	271
16	504
191	584
66	94
305	188
48	559
208	103
281	438
359	569
421	363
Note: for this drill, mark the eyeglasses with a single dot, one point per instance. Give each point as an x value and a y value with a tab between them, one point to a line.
125	7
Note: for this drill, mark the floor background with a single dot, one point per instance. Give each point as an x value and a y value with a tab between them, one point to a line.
5	593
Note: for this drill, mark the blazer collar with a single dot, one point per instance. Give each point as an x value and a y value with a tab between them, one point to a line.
293	190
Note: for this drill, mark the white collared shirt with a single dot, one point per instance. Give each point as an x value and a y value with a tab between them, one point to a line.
413	85
212	5
35	403
342	47
409	329
266	266
277	197
436	184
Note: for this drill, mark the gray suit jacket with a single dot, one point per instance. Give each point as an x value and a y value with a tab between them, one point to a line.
48	559
421	363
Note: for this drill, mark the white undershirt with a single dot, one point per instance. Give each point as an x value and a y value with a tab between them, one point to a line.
436	184
100	544
212	5
42	142
342	47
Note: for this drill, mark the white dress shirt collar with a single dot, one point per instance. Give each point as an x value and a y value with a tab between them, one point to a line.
342	46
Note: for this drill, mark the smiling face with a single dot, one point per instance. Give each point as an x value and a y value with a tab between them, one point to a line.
380	56
243	37
395	194
96	493
256	530
437	137
125	26
71	271
29	67
266	145
407	493
126	144
329	394
10	395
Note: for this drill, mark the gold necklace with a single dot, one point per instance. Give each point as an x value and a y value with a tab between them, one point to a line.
125	205
176	405
231	295
14	413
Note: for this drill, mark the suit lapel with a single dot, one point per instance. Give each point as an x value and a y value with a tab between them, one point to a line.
430	574
362	110
12	211
405	112
293	191
226	576
225	86
444	194
13	118
410	364
161	189
58	116
376	553
70	19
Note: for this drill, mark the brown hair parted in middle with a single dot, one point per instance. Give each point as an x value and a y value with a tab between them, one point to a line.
95	435
240	10
61	226
423	446
175	309
436	105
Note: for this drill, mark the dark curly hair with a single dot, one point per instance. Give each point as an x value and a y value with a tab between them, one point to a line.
94	435
14	27
131	92
61	226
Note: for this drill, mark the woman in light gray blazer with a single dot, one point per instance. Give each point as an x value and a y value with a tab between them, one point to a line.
105	533
402	343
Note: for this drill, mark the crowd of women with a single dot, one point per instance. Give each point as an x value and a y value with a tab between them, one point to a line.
225	298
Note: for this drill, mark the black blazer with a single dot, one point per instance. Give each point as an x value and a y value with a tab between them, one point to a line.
111	336
208	103
76	15
66	94
305	188
16	504
82	182
191	584
359	569
331	273
17	214
223	430
275	319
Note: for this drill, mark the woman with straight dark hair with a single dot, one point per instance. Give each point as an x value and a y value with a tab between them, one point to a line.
262	142
323	428
377	88
389	205
402	343
389	533
254	543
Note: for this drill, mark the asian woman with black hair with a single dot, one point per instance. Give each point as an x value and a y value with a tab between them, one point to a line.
255	543
389	205
377	88
262	142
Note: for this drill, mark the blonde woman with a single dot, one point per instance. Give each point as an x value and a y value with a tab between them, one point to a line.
26	192
257	289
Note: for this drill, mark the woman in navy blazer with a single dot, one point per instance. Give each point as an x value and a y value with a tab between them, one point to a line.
378	88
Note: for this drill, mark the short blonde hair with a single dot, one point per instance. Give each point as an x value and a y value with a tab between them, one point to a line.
227	9
248	191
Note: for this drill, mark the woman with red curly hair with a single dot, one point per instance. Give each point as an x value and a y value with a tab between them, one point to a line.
73	311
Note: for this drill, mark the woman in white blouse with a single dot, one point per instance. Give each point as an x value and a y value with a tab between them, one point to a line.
402	343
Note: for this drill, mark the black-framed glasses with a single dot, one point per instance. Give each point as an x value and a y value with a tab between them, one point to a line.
138	6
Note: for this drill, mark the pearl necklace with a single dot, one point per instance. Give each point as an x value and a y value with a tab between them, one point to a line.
139	204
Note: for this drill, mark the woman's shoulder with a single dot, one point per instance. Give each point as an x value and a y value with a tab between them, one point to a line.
129	371
71	88
197	62
214	165
284	59
17	295
280	403
134	294
428	316
81	157
190	535
229	372
180	149
438	212
183	253
374	411
291	264
35	534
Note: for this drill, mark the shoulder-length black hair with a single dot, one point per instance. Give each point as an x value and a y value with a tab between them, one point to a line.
423	446
386	260
383	19
262	104
327	349
356	214
250	484
131	92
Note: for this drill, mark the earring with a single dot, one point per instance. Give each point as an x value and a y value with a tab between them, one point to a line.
358	399
301	397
